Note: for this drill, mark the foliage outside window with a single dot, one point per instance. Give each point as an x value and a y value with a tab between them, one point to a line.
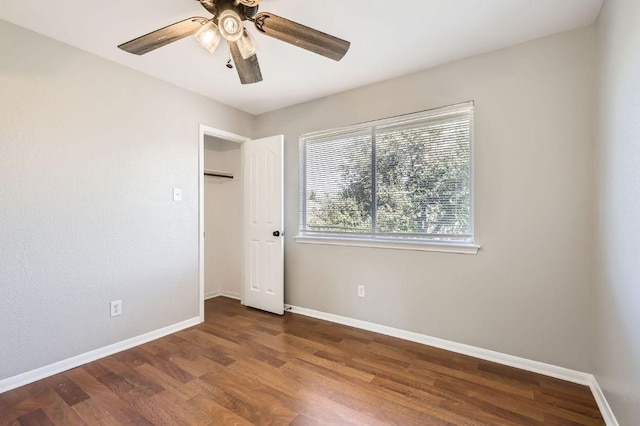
405	178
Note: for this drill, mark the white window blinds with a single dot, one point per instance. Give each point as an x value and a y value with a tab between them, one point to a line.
406	177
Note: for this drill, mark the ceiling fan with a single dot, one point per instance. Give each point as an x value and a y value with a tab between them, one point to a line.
227	24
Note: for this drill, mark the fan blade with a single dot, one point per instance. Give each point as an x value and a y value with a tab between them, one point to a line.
164	36
248	69
301	36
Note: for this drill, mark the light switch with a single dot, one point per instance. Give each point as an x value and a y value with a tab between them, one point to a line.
177	194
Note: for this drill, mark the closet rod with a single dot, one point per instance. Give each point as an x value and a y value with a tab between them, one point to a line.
218	174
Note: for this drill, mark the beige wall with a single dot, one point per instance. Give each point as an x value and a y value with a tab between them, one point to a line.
223	219
616	296
527	293
89	154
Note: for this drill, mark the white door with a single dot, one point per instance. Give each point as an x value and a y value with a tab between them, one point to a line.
263	224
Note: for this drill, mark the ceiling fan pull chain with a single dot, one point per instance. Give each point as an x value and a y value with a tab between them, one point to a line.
229	64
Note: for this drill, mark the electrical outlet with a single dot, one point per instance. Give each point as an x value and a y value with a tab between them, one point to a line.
116	308
360	290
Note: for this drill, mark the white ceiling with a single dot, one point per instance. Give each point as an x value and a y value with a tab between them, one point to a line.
388	39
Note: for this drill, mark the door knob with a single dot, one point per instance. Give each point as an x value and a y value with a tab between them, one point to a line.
276	233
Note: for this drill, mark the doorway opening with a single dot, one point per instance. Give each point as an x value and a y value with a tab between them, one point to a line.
221	212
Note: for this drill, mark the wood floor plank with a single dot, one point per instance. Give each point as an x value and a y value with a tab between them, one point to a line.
35	418
163	409
56	407
580	408
312	358
420	371
108	401
161	345
129	386
205	339
61	414
502	372
303	420
248	408
104	366
191	351
22	401
67	389
252	392
513	406
388	413
180	390
165	365
198	365
354	393
208	406
30	399
521	405
295	394
243	366
93	412
10	405
237	406
370	366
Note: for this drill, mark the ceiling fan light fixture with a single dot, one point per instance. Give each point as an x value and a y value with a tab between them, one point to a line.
209	36
246	45
230	25
227	22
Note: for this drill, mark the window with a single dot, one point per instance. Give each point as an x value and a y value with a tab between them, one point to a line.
403	179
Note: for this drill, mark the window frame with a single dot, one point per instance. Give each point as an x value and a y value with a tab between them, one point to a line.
462	246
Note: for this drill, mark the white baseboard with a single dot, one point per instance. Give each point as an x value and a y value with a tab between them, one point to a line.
76	361
561	373
229	294
212	295
603	404
488	355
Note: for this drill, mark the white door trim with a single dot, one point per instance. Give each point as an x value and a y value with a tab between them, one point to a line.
221	134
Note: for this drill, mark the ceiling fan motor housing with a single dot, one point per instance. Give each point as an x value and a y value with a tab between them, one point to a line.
250	11
244	8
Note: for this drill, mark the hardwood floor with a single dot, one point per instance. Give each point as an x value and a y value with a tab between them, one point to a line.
244	366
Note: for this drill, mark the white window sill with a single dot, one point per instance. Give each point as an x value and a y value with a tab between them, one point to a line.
444	247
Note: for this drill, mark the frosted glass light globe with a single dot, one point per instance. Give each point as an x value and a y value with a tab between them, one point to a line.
209	36
230	25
